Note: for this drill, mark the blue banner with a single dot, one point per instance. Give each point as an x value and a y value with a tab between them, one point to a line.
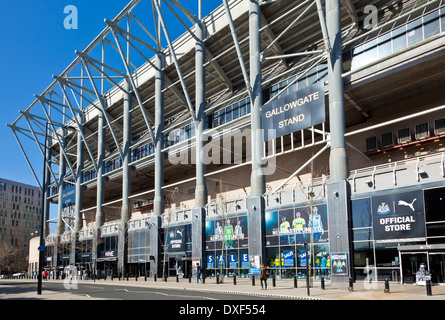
233	261
288	256
210	262
244	260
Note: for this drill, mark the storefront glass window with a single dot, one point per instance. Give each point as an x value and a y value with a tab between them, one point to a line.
363	253
435	205
286	233
387	254
361	213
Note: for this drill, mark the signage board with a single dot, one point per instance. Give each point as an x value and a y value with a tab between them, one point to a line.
339	264
398	216
254	264
296	111
176	239
68	196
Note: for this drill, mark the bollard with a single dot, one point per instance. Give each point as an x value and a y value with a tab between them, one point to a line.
322	283
136	277
155	276
217	278
274	284
145	275
428	288
127	276
295	282
234	280
351	285
386	286
203	278
177	278
253	281
190	278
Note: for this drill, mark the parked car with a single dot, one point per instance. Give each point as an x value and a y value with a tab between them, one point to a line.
19	274
4	276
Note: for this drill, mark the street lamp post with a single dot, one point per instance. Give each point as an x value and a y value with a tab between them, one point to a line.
42	219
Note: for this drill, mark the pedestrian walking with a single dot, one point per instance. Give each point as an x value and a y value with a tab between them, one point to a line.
198	273
45	275
264	273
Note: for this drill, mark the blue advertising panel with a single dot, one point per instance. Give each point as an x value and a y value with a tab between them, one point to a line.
288	256
233	261
297	226
244	260
303	258
296	111
210	262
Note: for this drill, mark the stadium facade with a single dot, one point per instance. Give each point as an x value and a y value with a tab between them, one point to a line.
305	135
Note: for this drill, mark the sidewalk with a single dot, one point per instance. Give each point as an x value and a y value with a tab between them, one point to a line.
284	289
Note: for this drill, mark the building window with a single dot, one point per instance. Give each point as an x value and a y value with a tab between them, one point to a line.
371	144
387	140
439	126
403	135
422	131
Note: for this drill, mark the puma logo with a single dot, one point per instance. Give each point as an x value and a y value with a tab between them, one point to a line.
406	204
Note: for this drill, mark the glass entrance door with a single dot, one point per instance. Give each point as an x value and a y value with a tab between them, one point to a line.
437	267
411	262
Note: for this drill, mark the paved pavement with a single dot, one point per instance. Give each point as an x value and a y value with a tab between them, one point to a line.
284	289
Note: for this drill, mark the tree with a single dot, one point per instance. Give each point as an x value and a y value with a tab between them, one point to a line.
9	257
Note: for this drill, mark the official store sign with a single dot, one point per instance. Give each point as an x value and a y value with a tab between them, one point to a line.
293	112
398	216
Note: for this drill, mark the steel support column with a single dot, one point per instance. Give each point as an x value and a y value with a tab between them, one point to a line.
158	204
338	191
61	183
338	161
100	218
256	204
198	214
46	183
126	179
80	160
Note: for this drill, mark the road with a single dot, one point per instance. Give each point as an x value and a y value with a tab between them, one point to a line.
115	292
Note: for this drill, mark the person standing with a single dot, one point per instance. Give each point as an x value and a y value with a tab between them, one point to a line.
198	273
263	276
45	275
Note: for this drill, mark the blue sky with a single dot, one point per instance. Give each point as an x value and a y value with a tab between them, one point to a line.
35	46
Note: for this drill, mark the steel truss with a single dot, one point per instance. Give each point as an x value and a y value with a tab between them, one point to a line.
118	65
